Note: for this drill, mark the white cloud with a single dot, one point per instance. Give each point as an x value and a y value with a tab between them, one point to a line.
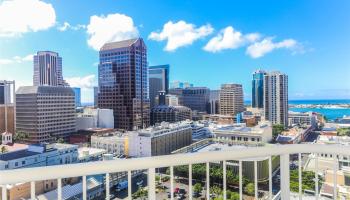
229	38
180	34
16	59
22	16
28	57
259	49
66	26
86	82
110	28
5	61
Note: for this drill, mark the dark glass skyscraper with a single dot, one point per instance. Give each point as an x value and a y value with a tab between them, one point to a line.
123	83
158	81
258	89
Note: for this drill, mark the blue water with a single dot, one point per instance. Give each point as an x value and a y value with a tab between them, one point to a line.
331	114
321	101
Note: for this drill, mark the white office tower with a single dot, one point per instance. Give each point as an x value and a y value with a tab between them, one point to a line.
276	98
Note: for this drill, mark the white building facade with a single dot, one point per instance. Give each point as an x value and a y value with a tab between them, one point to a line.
95	118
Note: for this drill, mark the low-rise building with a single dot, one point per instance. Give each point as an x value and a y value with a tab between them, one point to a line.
220	119
302	118
241	133
95	118
21	191
94	188
200	130
114	142
37	155
88	154
230	146
294	135
165	113
160	140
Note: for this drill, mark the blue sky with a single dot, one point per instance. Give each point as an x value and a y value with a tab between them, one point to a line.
205	42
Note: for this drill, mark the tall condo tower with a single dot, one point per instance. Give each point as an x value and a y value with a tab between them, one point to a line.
123	83
276	98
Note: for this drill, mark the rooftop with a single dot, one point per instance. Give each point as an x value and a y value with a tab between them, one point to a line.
16	155
44	90
119	44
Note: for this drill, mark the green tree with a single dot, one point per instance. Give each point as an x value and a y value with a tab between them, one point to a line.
249	189
140	193
60	140
276	130
308	180
232	195
215	190
343	131
20	136
197	188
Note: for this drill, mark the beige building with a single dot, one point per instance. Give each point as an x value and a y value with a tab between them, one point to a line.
45	113
10	119
22	190
276	98
231	99
160	140
113	142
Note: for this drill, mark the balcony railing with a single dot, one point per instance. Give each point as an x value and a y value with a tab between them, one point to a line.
151	163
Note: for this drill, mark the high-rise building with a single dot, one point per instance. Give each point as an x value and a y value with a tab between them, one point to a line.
95	96
158	81
45	113
231	99
5	92
214	99
276	98
7	106
77	93
258	89
196	98
48	69
123	83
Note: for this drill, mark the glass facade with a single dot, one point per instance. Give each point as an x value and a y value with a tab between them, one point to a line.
77	93
123	83
2	93
258	89
158	81
196	98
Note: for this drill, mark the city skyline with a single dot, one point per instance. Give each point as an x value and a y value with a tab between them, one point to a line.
226	41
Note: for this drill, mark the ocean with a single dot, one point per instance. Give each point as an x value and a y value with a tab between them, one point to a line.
329	113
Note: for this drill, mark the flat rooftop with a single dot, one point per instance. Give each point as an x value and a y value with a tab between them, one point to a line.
17	154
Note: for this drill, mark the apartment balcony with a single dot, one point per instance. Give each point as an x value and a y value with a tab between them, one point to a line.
151	167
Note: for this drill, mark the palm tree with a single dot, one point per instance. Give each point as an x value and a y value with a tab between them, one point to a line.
3	149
